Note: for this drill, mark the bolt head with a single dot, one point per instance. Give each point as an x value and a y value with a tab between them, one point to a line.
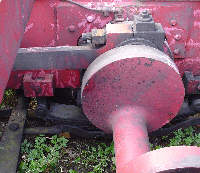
177	37
176	51
145	14
71	28
90	19
173	22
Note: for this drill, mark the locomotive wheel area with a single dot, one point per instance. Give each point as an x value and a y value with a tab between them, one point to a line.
81	146
100	86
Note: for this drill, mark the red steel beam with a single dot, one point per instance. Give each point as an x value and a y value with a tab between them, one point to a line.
13	18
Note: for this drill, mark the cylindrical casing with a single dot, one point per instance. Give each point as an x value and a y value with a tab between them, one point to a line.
14	15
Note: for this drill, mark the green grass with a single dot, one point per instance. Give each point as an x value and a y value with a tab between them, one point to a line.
43	154
9	99
186	137
97	159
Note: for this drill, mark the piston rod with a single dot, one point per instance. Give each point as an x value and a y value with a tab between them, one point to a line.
130	91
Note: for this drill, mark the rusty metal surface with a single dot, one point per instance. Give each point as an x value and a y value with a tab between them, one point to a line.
11	140
14	16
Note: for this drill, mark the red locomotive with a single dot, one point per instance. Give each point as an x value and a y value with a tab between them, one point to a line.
131	63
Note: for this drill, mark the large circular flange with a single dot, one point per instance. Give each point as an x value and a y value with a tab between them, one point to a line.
132	75
179	159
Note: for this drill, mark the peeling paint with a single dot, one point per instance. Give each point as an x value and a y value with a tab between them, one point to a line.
192	43
52	26
197	13
28	27
197	24
52	43
82	23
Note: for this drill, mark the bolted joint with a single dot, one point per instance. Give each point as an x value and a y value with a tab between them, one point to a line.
144	22
145	16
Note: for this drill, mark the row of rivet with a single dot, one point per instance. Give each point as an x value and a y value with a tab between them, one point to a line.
177	37
72	28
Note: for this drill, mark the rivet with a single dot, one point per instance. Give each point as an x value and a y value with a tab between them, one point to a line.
176	51
198	87
71	28
173	22
90	19
177	37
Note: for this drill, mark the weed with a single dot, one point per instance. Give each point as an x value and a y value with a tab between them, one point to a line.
43	155
72	171
186	137
97	159
9	99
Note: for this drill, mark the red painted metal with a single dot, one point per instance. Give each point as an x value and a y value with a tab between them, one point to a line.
118	78
85	21
52	24
130	135
122	92
183	159
132	148
129	91
61	79
40	85
14	15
